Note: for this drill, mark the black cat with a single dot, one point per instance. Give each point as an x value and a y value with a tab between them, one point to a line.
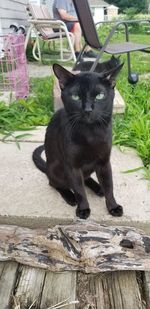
79	139
85	66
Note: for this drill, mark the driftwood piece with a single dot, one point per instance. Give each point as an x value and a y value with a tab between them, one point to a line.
115	290
8	272
83	246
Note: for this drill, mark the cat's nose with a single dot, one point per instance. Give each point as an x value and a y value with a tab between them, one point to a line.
88	109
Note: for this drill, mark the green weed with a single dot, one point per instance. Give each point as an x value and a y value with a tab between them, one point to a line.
36	110
133	128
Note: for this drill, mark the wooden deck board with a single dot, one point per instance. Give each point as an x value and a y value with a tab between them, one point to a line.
8	273
26	286
116	290
29	286
147	288
57	288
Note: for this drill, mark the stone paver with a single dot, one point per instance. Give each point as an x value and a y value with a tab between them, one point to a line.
26	198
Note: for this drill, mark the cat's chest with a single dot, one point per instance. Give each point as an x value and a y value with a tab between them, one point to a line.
88	149
89	139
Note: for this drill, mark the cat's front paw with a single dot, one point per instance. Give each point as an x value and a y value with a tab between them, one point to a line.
117	211
83	213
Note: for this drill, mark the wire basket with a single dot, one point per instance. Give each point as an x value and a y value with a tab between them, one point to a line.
13	66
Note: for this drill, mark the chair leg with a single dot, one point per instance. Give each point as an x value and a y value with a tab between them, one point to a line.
61	45
129	64
79	57
37	45
132	76
70	39
28	36
101	51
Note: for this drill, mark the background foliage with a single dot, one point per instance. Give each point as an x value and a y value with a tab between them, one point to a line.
140	6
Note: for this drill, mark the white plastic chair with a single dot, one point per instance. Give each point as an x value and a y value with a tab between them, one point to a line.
42	25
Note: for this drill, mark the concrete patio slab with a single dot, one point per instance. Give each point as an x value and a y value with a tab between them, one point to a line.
35	136
36	69
27	200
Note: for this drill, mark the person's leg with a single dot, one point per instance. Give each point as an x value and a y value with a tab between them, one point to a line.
75	28
77	44
77	35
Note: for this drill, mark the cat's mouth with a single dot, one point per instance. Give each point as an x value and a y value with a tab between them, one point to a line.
88	117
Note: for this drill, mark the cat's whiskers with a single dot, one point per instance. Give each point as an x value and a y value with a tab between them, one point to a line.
71	122
102	121
75	122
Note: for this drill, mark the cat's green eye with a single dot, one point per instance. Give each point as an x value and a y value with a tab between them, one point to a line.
100	96
75	97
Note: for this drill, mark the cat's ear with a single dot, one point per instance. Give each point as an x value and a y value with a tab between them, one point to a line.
112	74
62	74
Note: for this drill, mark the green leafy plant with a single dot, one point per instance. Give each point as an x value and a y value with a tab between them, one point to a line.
36	110
133	128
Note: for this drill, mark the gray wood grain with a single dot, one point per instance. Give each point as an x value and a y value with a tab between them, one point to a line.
147	288
12	11
87	247
57	288
30	286
8	273
116	290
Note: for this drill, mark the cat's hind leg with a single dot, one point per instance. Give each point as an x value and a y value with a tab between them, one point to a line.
58	181
68	196
94	186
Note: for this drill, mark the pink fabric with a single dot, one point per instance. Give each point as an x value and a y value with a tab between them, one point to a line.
13	65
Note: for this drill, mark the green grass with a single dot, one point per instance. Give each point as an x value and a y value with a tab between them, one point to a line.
36	110
133	128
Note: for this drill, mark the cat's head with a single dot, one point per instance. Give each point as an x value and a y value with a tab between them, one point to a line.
88	95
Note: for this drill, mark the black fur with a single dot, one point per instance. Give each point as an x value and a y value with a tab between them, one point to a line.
78	139
40	164
105	66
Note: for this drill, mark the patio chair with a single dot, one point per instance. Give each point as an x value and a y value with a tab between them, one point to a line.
91	38
42	25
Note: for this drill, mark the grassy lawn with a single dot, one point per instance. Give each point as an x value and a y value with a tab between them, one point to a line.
131	129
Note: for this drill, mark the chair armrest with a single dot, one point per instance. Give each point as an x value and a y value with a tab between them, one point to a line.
55	24
47	22
122	21
125	23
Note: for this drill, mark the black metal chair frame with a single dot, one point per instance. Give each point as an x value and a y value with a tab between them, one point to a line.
91	37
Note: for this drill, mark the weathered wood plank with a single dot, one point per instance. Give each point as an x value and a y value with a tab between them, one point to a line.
117	290
12	5
8	273
84	246
13	13
58	288
147	288
29	286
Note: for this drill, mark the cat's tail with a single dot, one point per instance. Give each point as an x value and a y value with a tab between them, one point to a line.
37	159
